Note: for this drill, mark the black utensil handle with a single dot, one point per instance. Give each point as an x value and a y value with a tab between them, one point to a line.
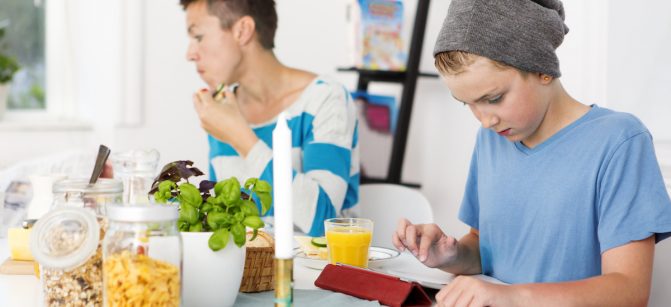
103	154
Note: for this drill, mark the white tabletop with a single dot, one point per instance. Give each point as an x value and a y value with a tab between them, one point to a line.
18	290
25	290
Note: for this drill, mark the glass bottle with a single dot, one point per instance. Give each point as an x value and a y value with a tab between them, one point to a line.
66	242
142	256
136	169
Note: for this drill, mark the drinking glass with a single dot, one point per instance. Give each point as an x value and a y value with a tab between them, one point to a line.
348	240
136	169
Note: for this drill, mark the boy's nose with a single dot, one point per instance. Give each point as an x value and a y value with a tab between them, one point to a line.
489	120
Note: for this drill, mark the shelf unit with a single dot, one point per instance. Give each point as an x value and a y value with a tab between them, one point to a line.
408	79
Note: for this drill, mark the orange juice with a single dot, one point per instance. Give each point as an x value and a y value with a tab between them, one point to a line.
349	245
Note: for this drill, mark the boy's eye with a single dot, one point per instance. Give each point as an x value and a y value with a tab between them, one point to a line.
495	99
198	37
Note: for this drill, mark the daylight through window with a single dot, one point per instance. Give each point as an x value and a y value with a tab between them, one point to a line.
22	23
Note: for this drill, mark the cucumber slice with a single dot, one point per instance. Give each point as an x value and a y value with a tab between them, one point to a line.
319	241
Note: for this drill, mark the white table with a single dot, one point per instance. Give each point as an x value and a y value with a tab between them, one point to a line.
26	291
18	290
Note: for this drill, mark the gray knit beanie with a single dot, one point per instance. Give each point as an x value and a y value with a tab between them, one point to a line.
520	33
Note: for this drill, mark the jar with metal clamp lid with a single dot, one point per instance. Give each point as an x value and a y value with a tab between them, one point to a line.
67	241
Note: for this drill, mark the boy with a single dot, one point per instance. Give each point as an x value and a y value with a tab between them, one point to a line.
565	201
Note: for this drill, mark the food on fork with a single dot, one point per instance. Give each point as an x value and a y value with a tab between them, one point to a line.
219	92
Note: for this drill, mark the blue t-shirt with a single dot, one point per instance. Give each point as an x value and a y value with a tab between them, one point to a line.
546	214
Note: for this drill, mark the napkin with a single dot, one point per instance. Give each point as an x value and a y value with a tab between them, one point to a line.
387	289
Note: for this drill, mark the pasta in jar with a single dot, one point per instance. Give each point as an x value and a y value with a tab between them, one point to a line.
138	280
142	253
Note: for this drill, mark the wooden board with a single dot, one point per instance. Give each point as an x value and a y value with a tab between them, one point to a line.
16	267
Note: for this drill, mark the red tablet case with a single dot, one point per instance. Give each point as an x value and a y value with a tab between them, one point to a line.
366	284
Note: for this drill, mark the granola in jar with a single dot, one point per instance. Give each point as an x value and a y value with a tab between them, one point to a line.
67	244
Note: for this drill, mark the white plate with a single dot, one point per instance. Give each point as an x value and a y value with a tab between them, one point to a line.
376	256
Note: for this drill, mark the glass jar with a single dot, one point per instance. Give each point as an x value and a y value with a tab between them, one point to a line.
79	193
136	169
67	241
142	256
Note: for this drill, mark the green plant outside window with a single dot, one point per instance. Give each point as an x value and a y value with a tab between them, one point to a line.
22	57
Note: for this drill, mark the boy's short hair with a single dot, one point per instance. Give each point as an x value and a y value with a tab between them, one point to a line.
229	11
455	62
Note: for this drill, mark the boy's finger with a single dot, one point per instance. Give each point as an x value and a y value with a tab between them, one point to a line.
397	242
400	229
411	239
425	243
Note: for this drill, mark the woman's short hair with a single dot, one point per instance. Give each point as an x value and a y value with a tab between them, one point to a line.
229	11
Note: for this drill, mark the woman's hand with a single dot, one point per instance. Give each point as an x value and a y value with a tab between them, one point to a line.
470	291
224	121
427	242
108	170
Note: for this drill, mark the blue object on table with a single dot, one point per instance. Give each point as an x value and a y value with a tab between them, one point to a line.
322	298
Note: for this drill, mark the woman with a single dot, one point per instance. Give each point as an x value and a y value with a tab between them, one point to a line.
231	42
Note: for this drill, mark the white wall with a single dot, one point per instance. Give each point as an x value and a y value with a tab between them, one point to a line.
613	56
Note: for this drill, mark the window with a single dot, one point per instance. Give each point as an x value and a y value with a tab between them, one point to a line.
23	22
68	55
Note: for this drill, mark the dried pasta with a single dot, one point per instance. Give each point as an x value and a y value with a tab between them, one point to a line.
138	280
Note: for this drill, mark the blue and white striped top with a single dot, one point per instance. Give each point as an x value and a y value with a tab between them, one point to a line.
325	155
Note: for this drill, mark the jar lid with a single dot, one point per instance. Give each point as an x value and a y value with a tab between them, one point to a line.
65	238
142	213
103	185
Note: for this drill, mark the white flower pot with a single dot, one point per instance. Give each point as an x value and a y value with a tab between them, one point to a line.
210	278
4	97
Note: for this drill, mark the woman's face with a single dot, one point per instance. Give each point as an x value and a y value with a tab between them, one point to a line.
502	99
215	51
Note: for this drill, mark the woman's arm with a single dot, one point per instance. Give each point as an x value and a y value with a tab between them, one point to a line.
322	184
325	172
224	121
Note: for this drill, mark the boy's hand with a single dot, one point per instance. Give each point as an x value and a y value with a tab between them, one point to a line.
427	242
470	291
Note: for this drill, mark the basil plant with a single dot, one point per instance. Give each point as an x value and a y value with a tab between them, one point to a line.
225	213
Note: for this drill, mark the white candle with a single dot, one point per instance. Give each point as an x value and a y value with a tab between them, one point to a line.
282	198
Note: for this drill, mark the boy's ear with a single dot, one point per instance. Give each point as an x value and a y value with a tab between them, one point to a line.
244	30
545	79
